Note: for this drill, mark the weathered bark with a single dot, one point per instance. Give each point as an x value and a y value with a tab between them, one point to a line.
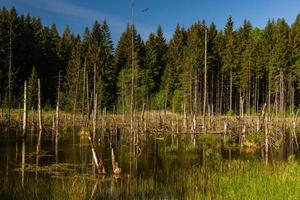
115	165
57	108
95	116
25	109
75	102
194	123
184	117
266	138
23	160
205	78
32	120
241	107
191	93
97	161
83	87
196	110
143	112
281	93
39	105
221	94
9	73
249	84
293	128
230	89
132	70
87	101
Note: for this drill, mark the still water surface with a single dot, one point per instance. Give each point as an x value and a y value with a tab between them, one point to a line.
160	169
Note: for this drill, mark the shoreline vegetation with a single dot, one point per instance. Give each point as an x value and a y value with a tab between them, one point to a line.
249	131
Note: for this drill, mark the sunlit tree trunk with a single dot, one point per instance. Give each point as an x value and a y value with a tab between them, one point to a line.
25	109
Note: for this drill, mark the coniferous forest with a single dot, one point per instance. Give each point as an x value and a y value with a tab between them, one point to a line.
248	64
209	113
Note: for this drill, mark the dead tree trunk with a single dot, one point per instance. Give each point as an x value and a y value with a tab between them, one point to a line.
39	105
95	116
230	90
194	123
97	161
23	160
9	73
75	102
184	117
87	123
266	138
57	108
143	112
281	93
95	102
25	109
205	81
293	128
83	88
132	103
115	165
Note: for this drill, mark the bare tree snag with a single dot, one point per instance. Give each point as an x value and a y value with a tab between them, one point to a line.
115	165
194	123
293	128
39	105
25	109
266	138
205	79
57	107
75	101
132	69
143	112
184	117
23	160
9	72
97	161
95	116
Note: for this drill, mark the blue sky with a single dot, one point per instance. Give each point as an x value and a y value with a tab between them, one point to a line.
80	13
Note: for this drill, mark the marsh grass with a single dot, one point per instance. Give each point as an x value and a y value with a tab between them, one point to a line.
230	180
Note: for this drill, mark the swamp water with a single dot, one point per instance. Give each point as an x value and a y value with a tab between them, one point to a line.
164	167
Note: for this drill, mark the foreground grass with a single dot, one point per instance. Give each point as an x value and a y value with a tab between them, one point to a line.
214	180
245	180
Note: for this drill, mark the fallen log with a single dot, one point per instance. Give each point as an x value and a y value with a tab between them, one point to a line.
98	161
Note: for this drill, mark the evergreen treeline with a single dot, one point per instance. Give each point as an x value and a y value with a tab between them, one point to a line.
249	65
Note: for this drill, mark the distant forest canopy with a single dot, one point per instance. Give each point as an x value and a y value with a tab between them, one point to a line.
250	65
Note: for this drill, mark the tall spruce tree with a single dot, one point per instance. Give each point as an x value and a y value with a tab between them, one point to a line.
229	60
170	81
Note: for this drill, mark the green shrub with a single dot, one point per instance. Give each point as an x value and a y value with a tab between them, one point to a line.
177	101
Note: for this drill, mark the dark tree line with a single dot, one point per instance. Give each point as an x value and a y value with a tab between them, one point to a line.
246	66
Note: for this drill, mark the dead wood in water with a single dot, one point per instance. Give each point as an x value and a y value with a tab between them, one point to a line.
116	169
97	161
293	128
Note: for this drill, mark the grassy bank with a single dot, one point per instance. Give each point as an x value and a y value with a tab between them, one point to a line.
227	180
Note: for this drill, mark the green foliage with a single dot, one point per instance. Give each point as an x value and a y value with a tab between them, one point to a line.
255	137
177	101
124	88
33	89
170	80
158	100
172	148
242	62
230	113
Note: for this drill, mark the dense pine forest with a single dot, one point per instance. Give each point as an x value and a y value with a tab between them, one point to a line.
247	67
